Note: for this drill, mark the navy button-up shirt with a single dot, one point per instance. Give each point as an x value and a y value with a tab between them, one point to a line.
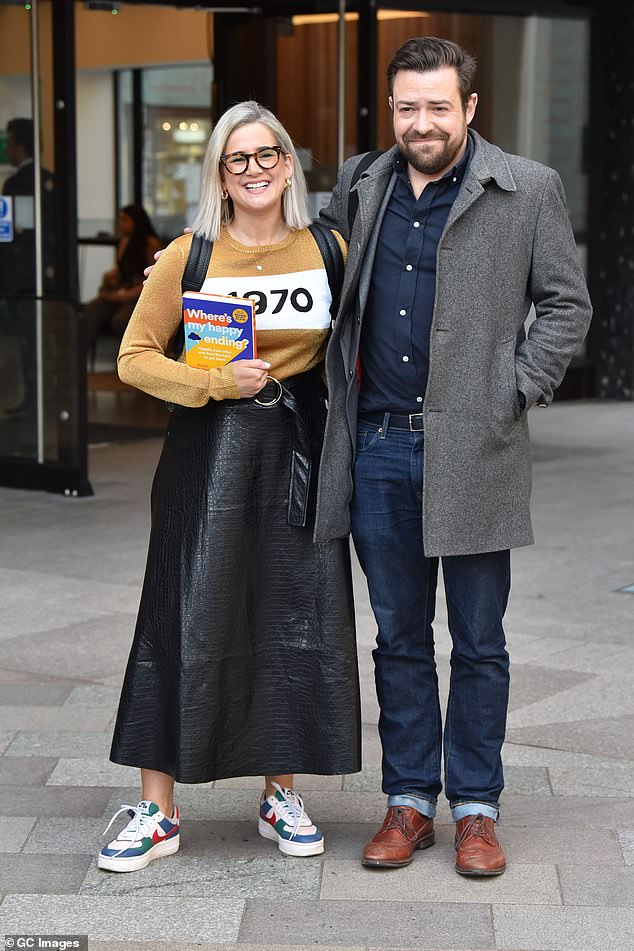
396	328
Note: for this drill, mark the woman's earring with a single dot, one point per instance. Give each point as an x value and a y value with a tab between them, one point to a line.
289	182
224	194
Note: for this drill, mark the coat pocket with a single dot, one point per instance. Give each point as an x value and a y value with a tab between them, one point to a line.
507	401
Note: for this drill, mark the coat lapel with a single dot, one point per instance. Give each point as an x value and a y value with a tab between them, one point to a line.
374	189
487	163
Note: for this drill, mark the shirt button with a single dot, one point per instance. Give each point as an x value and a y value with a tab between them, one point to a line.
351	373
403	313
405	359
408	267
419	399
417	224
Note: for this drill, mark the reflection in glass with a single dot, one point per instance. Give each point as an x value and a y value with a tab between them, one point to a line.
177	117
306	95
532	82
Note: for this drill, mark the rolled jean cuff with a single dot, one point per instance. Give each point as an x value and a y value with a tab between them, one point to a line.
426	807
460	810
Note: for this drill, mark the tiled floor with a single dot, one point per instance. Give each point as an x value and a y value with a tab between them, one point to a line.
70	573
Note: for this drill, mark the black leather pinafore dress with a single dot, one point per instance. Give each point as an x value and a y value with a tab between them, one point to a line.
244	656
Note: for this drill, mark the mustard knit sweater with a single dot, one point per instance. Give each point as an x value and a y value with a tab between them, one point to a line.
292	296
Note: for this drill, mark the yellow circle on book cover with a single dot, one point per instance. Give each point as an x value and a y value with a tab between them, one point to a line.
240	316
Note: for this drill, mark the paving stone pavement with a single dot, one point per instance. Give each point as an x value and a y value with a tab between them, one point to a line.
70	575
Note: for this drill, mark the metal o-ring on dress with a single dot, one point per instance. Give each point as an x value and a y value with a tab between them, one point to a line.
278	395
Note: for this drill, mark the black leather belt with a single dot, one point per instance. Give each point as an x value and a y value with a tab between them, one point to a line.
289	392
411	421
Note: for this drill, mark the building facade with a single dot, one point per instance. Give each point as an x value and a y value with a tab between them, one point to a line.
122	98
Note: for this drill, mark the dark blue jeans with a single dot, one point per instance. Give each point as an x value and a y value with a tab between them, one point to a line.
388	537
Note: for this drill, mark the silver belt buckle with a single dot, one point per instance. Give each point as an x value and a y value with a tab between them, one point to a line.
412	417
278	395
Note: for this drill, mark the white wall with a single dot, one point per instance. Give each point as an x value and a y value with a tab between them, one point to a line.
95	173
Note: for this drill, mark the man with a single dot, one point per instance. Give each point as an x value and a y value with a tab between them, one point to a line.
20	155
18	271
18	258
451	243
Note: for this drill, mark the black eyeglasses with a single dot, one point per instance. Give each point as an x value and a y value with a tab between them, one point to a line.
238	162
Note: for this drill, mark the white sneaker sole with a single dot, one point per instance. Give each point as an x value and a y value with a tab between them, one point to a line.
136	862
290	848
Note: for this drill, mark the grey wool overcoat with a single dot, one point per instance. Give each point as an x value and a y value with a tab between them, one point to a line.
507	243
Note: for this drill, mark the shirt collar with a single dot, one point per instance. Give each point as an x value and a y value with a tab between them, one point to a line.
456	173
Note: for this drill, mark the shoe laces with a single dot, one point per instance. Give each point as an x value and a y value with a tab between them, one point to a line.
477	827
290	808
398	820
139	826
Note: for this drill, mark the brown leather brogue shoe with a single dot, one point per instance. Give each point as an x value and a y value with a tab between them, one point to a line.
403	831
478	851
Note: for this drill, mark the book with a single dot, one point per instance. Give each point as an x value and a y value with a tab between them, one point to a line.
218	329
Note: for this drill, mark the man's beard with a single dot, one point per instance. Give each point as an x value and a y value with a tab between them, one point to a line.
432	162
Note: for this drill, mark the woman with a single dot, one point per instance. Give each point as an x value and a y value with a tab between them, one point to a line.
244	659
121	286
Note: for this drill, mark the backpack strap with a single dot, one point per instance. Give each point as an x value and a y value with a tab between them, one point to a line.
193	279
353	199
197	263
333	261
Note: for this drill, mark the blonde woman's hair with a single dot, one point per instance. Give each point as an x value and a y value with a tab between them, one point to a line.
213	210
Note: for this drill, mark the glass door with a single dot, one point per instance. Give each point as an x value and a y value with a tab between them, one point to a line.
532	81
304	68
41	407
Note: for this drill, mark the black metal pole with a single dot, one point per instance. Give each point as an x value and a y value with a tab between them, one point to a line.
137	134
611	197
67	275
367	78
116	101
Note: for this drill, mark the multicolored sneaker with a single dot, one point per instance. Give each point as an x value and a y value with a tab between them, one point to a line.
147	836
283	819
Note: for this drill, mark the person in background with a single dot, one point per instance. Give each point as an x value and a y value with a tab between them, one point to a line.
121	286
244	656
18	261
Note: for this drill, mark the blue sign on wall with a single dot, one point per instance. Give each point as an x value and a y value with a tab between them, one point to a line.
6	218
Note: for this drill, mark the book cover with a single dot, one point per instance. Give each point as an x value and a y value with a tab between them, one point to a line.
218	329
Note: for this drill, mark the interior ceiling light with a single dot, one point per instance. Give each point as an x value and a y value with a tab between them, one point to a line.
309	19
400	14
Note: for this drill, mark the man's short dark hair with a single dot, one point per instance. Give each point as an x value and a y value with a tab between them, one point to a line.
423	54
22	131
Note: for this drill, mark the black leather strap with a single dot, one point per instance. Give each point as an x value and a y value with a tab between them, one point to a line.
193	279
292	394
197	263
353	197
333	261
